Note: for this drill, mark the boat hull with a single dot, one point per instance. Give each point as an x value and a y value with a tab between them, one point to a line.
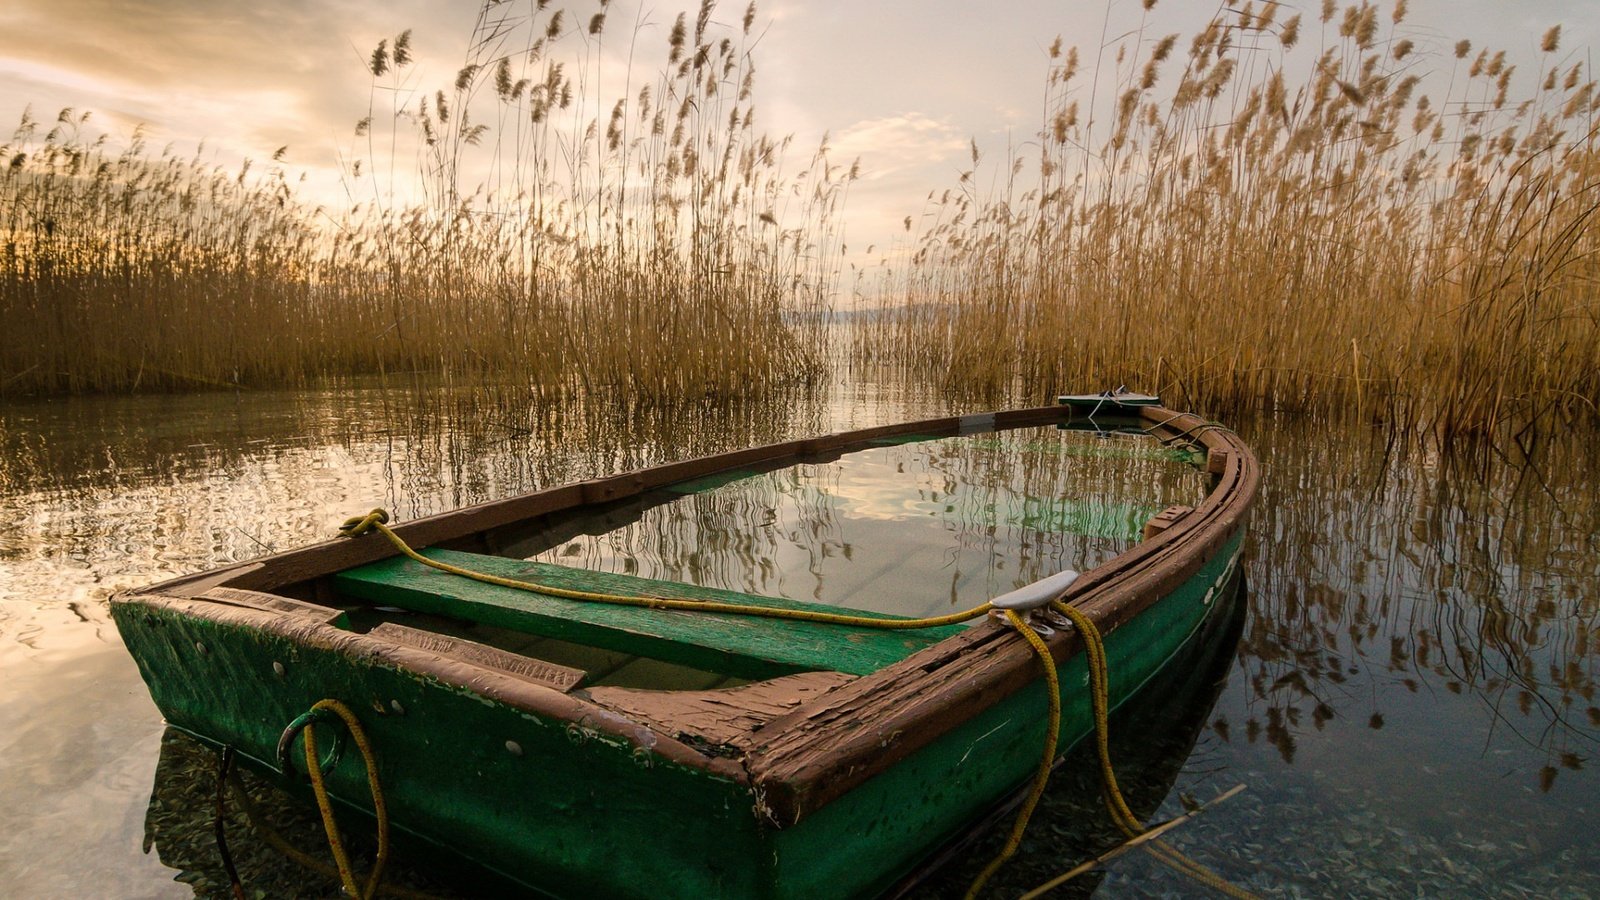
574	811
815	784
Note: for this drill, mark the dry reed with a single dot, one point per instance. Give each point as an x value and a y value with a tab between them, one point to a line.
648	245
1239	236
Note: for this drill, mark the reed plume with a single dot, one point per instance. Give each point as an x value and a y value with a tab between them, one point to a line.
1240	237
543	235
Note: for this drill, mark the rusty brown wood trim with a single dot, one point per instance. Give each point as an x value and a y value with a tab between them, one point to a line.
1163	520
269	573
273	603
859	729
1216	461
726	717
511	690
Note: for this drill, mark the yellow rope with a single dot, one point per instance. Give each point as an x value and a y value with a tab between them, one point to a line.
1094	647
1042	774
1121	814
375	521
262	828
314	768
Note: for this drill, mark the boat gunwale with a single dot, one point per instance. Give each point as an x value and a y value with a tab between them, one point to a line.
835	740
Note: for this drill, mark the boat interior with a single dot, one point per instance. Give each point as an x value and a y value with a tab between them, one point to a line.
608	652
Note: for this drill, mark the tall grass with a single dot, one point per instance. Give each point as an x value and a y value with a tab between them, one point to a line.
1285	217
517	225
131	270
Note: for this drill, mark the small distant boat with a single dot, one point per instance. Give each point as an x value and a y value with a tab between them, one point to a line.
827	758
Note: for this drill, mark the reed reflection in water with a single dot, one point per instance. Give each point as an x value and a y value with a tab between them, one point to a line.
914	528
99	494
1414	701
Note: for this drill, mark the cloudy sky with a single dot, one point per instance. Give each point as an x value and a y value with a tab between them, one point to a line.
902	85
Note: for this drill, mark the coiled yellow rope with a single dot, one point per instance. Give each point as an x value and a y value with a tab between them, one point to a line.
263	829
1041	776
325	805
1121	814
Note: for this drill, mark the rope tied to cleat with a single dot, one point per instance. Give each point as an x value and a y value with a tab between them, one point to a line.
1046	596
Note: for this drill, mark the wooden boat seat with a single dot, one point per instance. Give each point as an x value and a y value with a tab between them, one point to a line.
744	646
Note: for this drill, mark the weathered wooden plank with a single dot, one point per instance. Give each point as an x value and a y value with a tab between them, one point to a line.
745	646
284	605
537	671
720	716
1165	519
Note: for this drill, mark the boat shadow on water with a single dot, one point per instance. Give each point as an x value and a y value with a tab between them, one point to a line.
1153	735
263	829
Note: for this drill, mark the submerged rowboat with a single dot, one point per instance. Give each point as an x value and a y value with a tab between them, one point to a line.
744	757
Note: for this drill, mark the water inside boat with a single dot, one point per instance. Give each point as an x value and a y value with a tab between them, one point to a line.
914	526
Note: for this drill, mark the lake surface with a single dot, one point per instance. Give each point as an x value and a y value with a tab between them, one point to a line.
1407	694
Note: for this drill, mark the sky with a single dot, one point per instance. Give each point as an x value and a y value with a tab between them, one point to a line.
907	86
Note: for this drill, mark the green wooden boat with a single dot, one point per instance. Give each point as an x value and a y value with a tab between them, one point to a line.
817	760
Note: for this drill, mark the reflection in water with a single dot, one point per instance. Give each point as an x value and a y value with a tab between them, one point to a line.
180	829
1415	694
914	528
1412	707
1438	582
100	494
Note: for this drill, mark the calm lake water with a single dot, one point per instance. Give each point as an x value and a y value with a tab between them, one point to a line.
1407	691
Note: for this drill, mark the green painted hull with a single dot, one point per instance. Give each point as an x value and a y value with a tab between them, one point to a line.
946	785
837	781
579	813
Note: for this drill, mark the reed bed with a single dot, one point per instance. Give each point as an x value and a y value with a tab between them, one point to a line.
650	243
1300	213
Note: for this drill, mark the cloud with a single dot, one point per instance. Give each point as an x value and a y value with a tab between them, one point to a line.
248	76
244	78
185	59
891	146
